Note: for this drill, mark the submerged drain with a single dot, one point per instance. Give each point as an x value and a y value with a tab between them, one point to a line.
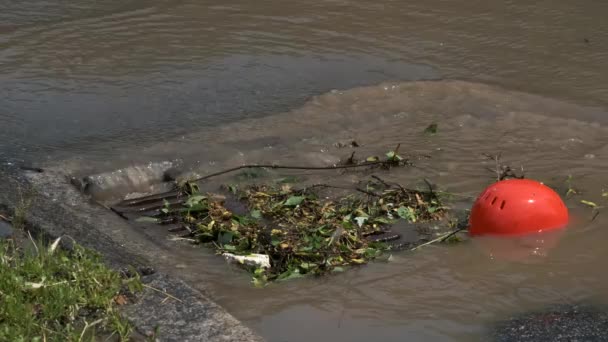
298	231
164	209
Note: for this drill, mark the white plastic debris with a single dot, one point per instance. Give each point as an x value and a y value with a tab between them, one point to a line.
53	247
257	260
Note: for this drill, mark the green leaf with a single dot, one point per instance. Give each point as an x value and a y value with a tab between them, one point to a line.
275	241
195	208
193	187
407	213
307	265
224	238
325	231
259	271
372	252
391	155
165	208
205	236
294	201
147	219
256	214
229	248
195	199
347	225
431	129
237	219
382	220
233	189
260	282
290	274
589	203
372	159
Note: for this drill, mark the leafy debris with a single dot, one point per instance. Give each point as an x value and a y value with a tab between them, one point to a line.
301	232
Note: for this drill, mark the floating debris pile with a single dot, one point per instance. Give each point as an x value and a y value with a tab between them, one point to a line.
282	232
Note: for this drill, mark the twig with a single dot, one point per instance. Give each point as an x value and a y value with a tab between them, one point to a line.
110	337
499	175
5	218
248	166
33	242
454	233
163	292
496	159
381	181
396	150
54	245
290	167
150	198
387	238
323	185
49	330
597	212
440	238
369	193
43	285
503	171
405	191
87	326
179	238
350	160
431	190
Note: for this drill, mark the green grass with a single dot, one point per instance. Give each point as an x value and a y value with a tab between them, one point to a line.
49	294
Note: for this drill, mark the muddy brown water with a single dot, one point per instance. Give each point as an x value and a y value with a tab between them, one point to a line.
77	76
437	293
91	87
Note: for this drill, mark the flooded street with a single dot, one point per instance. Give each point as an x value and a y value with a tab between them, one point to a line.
94	86
451	293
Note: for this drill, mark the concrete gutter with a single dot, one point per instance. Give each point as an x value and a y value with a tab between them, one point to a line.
56	208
